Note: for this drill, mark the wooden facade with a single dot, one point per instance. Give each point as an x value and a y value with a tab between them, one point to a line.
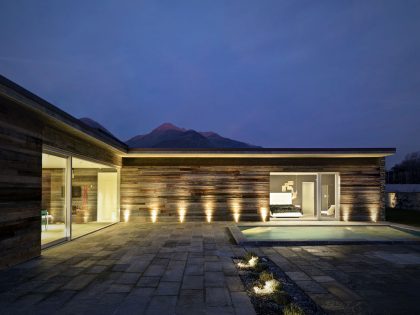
23	135
226	186
220	186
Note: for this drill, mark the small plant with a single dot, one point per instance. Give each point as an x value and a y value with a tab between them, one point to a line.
293	309
265	276
250	261
267	285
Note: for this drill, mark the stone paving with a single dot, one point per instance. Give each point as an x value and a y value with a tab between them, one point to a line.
137	268
359	279
132	268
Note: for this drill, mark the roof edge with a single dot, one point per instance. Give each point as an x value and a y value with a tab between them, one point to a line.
46	108
261	152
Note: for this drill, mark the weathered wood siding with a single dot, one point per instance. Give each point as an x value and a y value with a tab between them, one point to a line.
22	136
168	184
20	185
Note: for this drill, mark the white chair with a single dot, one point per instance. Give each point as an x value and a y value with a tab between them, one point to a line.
330	211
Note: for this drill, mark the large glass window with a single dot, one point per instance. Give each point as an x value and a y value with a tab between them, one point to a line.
293	195
94	196
303	195
53	205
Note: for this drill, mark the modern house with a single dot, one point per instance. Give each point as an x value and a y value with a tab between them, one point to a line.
61	179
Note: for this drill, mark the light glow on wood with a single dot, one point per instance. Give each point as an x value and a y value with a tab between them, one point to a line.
182	213
126	215
154	215
264	214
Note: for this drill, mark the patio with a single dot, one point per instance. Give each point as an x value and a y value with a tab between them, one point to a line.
137	268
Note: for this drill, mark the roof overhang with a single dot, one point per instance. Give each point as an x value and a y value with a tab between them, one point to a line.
261	153
49	111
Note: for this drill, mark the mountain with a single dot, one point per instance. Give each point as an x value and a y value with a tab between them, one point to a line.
95	125
168	135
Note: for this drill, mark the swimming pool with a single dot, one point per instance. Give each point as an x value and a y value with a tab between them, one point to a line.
327	234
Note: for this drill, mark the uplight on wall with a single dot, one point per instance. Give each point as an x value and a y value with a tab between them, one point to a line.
126	215
236	211
236	216
182	213
154	215
209	211
208	215
346	213
263	213
374	214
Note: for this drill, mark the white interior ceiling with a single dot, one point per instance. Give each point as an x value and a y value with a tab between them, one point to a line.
52	161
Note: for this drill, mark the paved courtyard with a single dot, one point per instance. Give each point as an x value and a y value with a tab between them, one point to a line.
134	268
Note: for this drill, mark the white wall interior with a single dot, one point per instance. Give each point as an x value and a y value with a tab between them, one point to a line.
107	196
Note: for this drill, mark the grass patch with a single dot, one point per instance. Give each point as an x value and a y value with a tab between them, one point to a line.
403	216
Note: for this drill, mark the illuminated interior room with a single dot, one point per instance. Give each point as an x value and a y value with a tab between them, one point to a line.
93	197
303	196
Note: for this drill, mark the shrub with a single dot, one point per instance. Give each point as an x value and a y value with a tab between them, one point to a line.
293	309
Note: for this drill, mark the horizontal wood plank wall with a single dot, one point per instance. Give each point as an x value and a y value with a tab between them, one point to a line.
196	184
20	185
22	135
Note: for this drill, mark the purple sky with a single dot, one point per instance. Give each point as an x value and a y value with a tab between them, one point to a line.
272	73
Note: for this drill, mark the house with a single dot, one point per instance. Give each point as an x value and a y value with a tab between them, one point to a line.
61	179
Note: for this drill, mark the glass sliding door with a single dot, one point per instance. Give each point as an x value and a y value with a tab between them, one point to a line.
94	196
329	196
54	198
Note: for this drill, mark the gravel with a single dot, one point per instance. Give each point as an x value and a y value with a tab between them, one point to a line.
266	306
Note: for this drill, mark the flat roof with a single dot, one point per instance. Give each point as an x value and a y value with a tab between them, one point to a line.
261	152
19	94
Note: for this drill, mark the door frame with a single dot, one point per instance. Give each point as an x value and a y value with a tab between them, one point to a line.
318	183
68	192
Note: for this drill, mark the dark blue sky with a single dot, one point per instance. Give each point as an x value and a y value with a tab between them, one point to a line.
272	73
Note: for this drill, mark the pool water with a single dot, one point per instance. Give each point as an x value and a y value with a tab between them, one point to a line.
328	233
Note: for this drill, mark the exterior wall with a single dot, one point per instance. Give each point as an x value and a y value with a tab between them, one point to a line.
403	200
223	184
20	185
22	136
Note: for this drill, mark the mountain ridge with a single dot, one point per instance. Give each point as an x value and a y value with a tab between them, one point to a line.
168	135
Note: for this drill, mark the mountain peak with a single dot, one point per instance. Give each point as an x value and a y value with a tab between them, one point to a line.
168	135
167	126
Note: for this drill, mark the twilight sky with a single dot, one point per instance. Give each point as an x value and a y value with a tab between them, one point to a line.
273	73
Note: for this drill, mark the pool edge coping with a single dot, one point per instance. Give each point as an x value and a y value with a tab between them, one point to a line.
240	238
